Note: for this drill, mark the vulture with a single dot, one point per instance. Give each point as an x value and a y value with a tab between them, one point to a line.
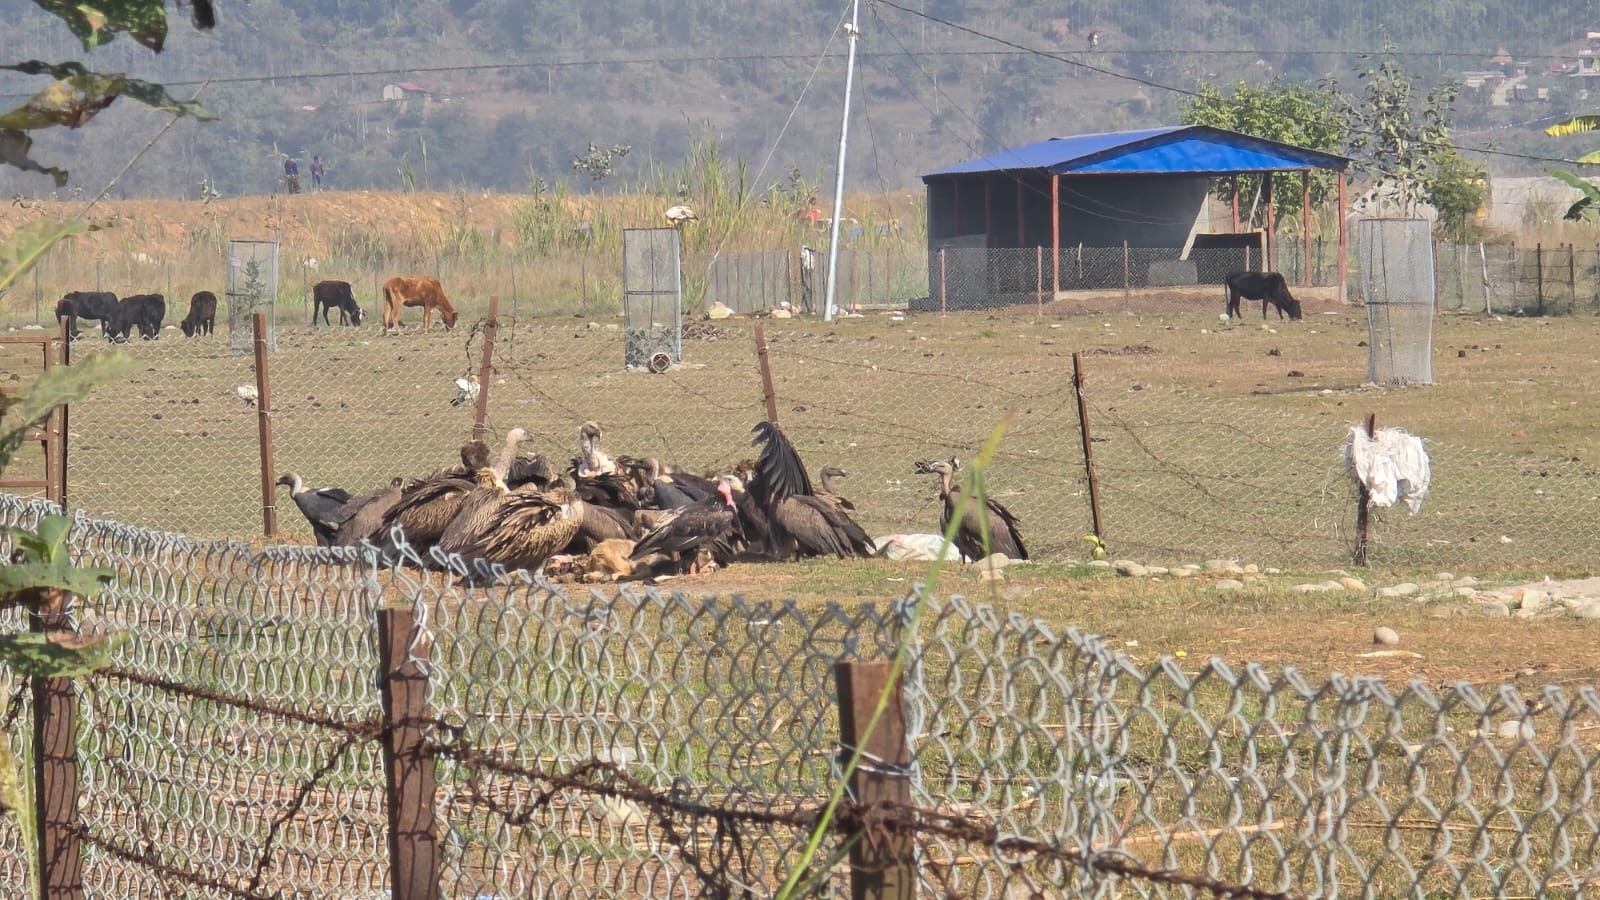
677	215
799	523
322	507
825	489
427	505
690	533
668	489
364	515
999	523
593	461
517	529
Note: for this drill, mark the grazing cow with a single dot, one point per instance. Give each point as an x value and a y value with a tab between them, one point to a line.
415	290
202	317
328	295
99	305
143	310
1268	287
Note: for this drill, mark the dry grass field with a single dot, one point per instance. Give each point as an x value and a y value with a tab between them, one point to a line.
1212	438
173	447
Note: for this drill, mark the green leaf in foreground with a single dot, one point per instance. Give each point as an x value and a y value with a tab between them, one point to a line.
57	655
19	577
98	23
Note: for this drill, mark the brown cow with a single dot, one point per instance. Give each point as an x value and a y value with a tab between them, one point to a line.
415	290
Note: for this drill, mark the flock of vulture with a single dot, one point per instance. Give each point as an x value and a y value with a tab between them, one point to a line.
609	518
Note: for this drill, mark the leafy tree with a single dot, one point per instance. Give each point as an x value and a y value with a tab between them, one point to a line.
1305	115
1401	139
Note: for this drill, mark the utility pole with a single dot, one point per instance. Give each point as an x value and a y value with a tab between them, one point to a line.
853	32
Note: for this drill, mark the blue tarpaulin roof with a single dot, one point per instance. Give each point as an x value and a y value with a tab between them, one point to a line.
1176	150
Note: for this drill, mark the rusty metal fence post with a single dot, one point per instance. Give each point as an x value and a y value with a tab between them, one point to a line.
55	766
882	867
408	763
269	509
481	413
765	364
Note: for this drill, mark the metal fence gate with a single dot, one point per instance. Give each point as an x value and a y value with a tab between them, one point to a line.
1396	277
652	298
252	287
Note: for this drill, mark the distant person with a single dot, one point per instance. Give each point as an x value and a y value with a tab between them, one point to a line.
316	173
291	174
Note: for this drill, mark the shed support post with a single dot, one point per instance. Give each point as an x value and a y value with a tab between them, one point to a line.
1055	235
1340	221
1235	180
1305	227
1268	256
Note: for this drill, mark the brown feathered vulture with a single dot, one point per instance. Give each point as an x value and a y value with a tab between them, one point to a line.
427	505
687	533
989	520
799	523
365	514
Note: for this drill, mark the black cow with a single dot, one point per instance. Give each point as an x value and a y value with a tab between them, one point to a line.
202	317
98	305
1268	287
328	295
143	310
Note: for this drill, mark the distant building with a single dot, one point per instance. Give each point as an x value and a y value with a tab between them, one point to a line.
406	90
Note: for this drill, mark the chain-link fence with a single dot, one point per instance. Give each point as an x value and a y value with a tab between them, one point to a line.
646	745
1180	476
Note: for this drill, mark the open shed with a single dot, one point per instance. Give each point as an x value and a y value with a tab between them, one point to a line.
1048	215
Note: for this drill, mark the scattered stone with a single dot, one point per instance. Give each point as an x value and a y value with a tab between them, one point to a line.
1350	583
1386	636
991	575
1513	729
1320	587
1217	565
1404	589
1098	564
1443	576
1496	610
718	310
1252	569
619	811
780	314
1130	568
1530	599
1230	584
1446	611
1588	609
1155	570
994	562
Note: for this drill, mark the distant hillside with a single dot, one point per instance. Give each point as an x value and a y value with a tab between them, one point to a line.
503	94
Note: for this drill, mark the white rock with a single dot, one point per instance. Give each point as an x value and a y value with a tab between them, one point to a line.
1098	564
1217	565
1252	569
994	562
1496	610
1386	636
619	811
1130	568
1155	570
718	310
1351	584
1512	729
1230	584
1588	609
1404	589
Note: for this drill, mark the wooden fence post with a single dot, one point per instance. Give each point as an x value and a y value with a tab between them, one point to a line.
882	867
1538	274
55	767
766	374
485	368
269	509
408	764
1363	500
943	307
